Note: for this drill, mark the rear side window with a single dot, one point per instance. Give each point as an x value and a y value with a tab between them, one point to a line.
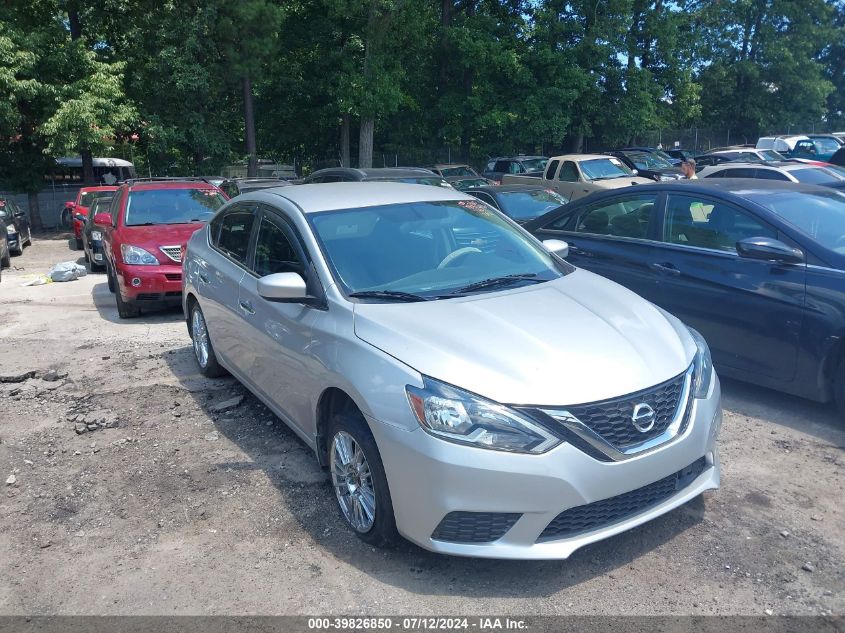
551	169
770	174
235	232
569	172
503	166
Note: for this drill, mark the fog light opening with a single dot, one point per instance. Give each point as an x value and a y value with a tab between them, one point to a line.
136	282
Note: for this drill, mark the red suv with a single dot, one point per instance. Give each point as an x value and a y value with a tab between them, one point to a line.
144	234
84	199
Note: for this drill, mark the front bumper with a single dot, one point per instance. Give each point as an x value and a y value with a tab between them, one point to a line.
430	478
148	285
14	241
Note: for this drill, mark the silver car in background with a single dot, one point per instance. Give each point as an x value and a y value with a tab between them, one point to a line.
464	385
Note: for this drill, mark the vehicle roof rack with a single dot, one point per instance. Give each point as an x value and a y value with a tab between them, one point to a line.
133	181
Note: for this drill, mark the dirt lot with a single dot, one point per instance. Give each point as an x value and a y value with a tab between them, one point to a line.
182	509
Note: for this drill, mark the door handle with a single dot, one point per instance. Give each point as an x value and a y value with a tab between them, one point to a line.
246	306
202	278
666	268
576	250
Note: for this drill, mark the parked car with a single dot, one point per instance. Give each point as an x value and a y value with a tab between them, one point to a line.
5	251
497	168
92	235
143	235
519	202
756	266
18	229
236	186
452	170
648	164
80	207
576	175
407	363
838	158
783	144
680	154
790	171
409	175
746	154
656	152
464	183
822	147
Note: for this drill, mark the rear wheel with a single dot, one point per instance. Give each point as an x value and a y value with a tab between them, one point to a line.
79	243
203	349
839	387
359	480
125	310
6	260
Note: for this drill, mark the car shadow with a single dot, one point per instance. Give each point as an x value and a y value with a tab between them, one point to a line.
305	493
106	305
822	420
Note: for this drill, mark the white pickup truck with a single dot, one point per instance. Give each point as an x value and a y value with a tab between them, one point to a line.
576	175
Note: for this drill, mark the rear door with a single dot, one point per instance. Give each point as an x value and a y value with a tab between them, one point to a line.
613	237
749	311
231	235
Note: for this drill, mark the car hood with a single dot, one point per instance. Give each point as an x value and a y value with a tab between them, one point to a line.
581	338
151	238
617	183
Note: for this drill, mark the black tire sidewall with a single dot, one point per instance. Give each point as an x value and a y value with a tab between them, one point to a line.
383	533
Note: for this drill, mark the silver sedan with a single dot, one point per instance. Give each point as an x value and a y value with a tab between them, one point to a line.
464	385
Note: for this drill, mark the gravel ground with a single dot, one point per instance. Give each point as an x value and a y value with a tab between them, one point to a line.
169	505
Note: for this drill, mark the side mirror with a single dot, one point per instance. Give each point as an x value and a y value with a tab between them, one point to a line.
20	214
70	205
80	217
769	249
285	287
635	172
103	219
557	247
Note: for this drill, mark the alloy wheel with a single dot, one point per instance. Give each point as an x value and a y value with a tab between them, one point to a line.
200	336
353	482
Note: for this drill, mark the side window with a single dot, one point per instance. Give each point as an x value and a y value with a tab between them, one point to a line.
568	172
235	231
273	251
230	189
551	169
805	147
513	167
706	223
484	197
502	166
628	216
739	173
770	174
114	209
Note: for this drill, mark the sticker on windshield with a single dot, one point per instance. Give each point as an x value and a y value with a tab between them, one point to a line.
476	207
615	161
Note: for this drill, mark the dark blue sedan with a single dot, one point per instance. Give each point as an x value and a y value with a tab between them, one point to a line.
757	266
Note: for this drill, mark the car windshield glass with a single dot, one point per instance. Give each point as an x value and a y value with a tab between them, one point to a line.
818	214
469	183
527	205
826	145
171	206
604	168
89	196
814	176
100	205
645	160
428	248
770	154
534	164
463	170
663	155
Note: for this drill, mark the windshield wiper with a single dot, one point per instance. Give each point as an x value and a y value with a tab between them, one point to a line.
396	295
495	282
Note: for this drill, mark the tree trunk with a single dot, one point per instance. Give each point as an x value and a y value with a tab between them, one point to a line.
365	143
344	141
34	211
87	167
249	124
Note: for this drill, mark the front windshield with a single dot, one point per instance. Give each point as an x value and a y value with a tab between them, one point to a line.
604	169
469	183
770	154
814	176
463	170
826	145
89	196
527	205
646	160
819	215
661	154
534	164
428	249
172	206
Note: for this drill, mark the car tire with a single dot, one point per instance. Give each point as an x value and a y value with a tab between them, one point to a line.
201	344
350	430
126	310
839	387
78	244
18	250
6	261
110	278
29	236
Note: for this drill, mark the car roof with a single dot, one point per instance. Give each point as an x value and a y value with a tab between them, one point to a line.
334	196
175	183
378	172
99	188
580	157
494	189
449	165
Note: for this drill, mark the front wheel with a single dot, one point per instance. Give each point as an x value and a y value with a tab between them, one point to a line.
203	349
110	278
359	481
6	260
79	243
839	388
126	310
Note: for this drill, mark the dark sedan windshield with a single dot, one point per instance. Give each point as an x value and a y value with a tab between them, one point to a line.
819	215
172	206
429	249
647	160
534	164
463	170
527	205
814	176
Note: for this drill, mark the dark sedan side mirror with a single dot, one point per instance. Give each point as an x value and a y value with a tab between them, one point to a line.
103	219
769	249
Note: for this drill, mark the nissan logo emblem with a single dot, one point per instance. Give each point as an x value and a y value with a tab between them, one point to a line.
643	417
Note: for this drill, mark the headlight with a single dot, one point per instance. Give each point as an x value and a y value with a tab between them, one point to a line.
11	230
137	256
703	374
461	417
96	235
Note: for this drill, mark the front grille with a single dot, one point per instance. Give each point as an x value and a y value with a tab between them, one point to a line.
173	293
607	511
612	419
474	527
173	276
147	296
173	252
